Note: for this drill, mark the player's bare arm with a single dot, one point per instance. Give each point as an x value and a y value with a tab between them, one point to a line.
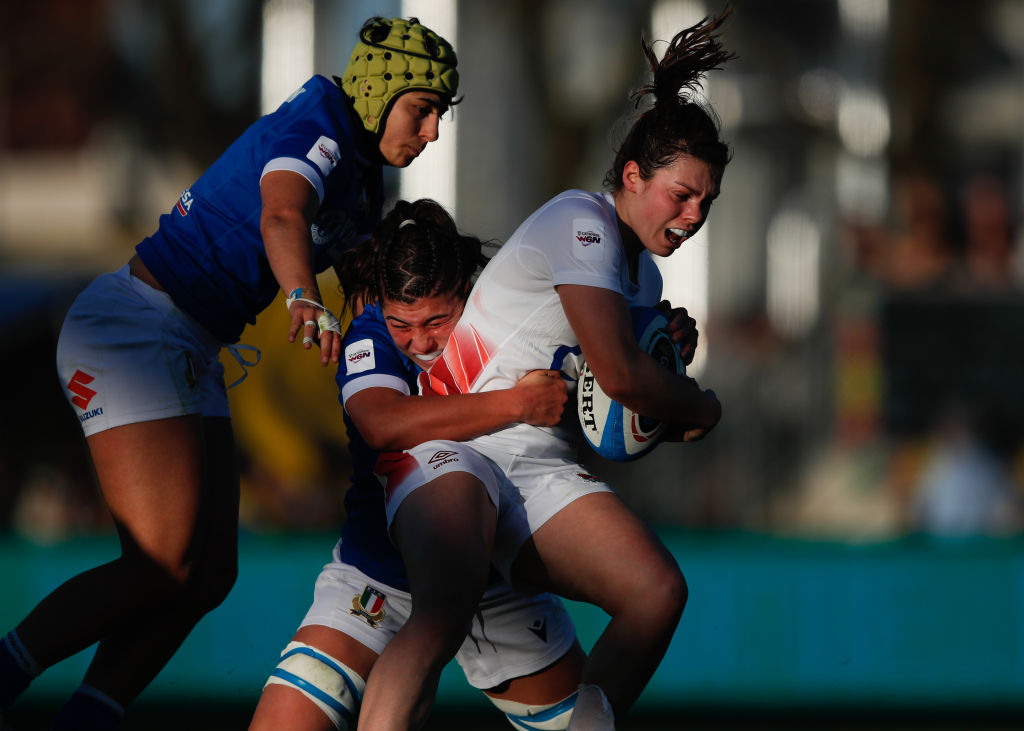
289	204
600	319
390	420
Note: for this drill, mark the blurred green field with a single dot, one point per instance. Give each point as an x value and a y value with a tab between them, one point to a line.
779	634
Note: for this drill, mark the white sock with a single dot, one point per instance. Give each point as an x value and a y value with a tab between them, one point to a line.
593	712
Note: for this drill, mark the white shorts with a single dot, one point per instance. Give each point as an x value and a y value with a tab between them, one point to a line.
126	354
512	635
527	491
541	488
403	472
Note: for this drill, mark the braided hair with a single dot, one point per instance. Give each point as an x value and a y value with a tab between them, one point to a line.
416	251
679	122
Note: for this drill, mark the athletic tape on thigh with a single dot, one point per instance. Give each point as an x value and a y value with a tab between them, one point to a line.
334	687
550	717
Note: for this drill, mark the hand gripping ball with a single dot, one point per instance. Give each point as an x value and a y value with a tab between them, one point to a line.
615	432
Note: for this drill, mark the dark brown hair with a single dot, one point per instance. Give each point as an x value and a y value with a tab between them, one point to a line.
416	251
679	122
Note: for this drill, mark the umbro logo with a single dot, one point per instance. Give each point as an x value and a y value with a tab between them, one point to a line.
540	628
443	457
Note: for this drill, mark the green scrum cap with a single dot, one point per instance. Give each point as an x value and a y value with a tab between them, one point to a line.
394	56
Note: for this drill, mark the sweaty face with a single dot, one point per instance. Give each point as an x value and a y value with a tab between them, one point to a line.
410	125
671	206
421	329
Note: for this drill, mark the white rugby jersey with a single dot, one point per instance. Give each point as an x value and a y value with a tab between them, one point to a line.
514	323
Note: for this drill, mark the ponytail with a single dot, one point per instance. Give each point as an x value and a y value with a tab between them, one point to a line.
680	122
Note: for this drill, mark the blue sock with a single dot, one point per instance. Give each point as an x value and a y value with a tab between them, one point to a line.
89	709
17	668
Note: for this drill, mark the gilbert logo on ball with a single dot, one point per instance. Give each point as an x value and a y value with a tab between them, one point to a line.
615	432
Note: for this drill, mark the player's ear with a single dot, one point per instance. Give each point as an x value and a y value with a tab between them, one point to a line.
631	178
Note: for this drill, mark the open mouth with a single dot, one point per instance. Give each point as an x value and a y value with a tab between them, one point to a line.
676	236
430	357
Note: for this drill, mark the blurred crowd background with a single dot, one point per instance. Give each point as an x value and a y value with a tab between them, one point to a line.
858	285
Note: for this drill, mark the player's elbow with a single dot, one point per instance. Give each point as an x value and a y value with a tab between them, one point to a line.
389	436
621	383
281	220
379	438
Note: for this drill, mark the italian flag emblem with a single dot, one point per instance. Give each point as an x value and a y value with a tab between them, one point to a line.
370	606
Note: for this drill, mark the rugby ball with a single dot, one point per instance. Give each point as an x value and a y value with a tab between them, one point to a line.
612	430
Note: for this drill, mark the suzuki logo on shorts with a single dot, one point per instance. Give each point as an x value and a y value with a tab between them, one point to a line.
443	457
77	386
588	237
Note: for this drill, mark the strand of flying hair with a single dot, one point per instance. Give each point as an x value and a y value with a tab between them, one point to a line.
691	53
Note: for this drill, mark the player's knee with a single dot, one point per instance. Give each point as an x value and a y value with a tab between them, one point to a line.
443	611
542	717
668	593
674	590
664	589
211	586
213	577
157	579
438	634
332	686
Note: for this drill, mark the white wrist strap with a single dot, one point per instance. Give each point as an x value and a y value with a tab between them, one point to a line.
296	296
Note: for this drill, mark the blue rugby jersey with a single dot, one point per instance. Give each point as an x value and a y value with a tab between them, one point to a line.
376	361
373	360
208	252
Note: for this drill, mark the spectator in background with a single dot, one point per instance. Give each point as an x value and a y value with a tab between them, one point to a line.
988	234
920	253
965	488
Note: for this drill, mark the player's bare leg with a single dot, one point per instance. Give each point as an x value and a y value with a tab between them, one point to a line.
549	685
285	707
126	661
151	477
544	699
445	531
148	474
597	550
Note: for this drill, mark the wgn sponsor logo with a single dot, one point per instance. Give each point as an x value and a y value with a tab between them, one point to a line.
359	355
